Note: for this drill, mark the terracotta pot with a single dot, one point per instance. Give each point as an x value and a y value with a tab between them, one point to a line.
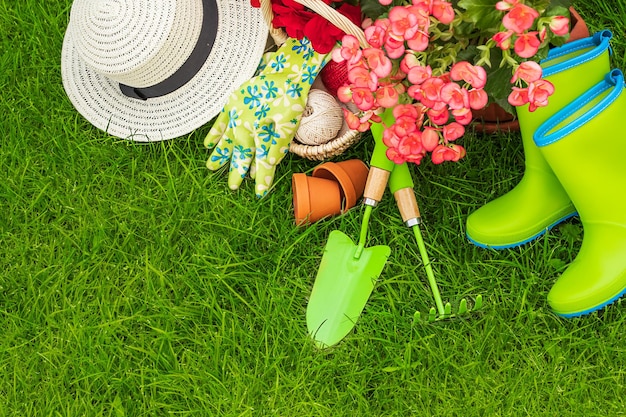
494	118
333	188
351	176
314	198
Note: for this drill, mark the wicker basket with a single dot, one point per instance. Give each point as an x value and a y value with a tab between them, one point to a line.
346	137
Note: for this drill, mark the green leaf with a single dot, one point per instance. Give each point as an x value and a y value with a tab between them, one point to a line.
372	9
482	13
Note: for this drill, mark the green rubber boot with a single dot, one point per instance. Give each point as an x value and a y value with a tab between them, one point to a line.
583	143
539	202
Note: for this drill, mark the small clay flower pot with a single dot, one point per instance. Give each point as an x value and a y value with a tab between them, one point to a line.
314	198
351	176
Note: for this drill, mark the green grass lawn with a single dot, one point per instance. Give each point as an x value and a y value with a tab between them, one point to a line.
133	282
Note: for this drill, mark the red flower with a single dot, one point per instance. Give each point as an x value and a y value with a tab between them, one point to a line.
291	16
299	22
323	34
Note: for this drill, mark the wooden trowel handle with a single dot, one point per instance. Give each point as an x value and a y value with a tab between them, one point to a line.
375	186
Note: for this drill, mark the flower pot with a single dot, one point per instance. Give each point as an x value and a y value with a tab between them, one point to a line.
351	176
333	188
494	118
314	198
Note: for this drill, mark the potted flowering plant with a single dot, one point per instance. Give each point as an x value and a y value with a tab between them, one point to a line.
435	62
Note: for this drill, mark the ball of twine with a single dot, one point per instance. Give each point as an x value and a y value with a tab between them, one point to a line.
322	119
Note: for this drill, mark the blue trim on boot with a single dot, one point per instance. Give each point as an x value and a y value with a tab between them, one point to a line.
599	41
614	80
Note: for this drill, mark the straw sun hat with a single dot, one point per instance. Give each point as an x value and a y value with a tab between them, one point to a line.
150	70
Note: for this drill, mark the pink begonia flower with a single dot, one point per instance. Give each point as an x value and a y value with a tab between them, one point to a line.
350	50
444	153
387	96
506	4
520	18
385	2
411	144
463	116
454	96
518	96
354	122
538	93
443	11
418	74
362	78
430	139
403	23
425	5
419	42
559	25
344	93
422	15
453	131
404	125
415	92
431	88
527	45
478	98
405	110
459	150
393	155
378	62
475	76
440	154
527	71
375	36
362	98
503	39
394	46
439	116
390	138
408	61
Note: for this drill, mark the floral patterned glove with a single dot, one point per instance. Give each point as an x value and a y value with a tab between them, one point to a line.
261	118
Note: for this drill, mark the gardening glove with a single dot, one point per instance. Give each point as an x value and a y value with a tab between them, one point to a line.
260	119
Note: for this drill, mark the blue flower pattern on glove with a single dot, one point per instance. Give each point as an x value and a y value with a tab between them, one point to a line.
262	111
270	89
294	90
253	99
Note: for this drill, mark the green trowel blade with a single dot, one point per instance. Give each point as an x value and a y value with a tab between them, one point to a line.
342	287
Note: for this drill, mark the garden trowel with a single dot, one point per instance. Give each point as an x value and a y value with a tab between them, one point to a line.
348	271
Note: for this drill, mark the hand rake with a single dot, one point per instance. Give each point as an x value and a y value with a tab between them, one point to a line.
401	185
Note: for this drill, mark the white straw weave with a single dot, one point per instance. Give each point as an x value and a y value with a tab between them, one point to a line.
142	42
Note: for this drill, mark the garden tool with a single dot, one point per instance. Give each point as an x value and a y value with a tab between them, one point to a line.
582	143
348	271
539	202
261	117
401	186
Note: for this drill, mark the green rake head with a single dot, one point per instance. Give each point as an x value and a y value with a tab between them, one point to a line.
446	312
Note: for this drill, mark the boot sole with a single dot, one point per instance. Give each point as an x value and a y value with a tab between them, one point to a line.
593	309
521	242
